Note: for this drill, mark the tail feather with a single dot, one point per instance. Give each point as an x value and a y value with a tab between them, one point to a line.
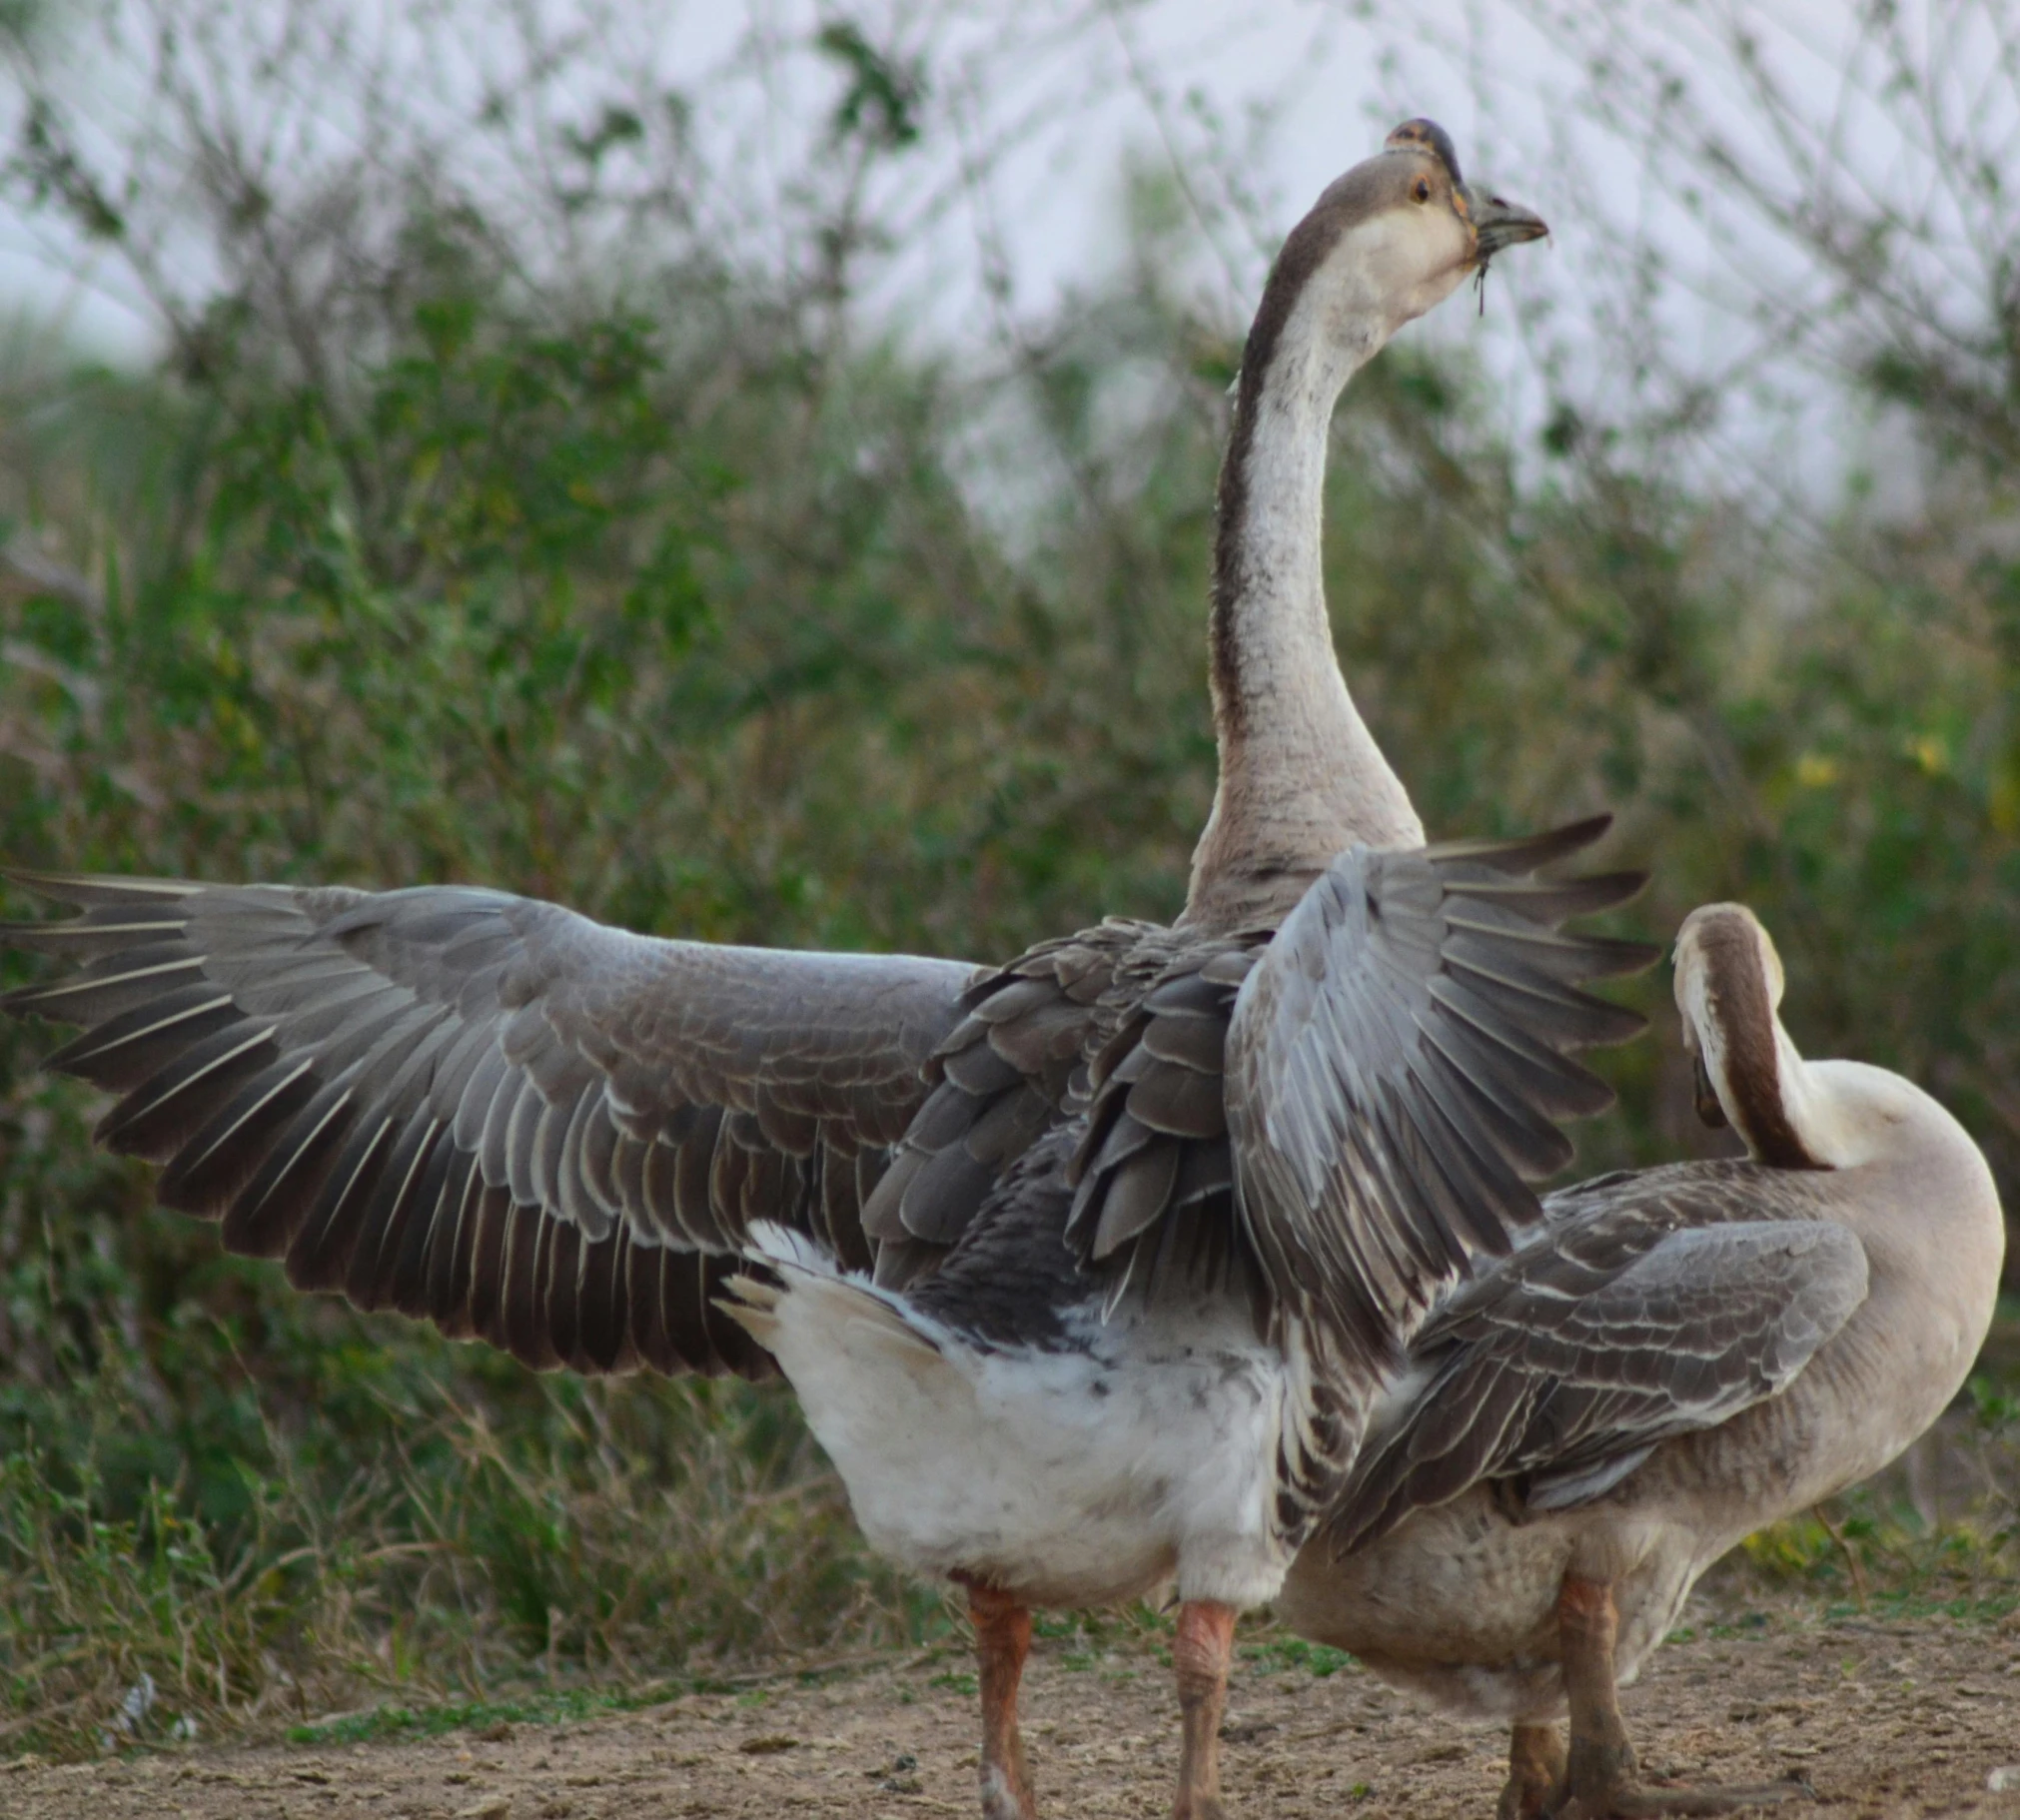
836	1311
752	1303
780	1244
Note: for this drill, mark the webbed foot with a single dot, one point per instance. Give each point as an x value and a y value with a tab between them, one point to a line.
1633	1801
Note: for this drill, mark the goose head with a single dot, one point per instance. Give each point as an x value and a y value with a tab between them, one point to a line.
1749	1073
1390	240
1489	222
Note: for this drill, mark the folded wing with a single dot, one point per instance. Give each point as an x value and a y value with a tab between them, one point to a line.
1655	1306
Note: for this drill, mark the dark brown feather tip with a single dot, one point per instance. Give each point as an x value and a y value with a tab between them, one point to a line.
1428	136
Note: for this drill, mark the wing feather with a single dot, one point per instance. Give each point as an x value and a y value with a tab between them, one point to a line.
1653	1305
490	1112
1396	1063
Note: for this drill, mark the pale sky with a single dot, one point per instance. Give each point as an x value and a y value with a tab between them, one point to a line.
1295	90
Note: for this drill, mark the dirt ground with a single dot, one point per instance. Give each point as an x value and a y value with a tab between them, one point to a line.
1875	1717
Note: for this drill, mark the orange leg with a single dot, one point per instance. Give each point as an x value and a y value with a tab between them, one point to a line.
1002	1641
1599	1772
1200	1654
1601	1762
1535	1773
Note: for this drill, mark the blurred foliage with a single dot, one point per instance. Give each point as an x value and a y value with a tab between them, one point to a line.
680	602
1939	1530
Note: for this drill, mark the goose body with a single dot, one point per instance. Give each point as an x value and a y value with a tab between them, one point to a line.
1090	1461
1086	1269
1674	1359
1104	1382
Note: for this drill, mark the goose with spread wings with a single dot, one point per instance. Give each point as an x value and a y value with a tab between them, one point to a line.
1086	1267
1674	1359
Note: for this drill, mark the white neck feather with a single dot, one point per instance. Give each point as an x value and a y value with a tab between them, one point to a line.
1841	1115
1301	777
1847	1114
1898	1170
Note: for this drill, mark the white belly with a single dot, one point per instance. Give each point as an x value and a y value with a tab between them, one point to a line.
1067	1477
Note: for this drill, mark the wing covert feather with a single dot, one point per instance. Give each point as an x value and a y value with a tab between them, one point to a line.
487	1110
1653	1305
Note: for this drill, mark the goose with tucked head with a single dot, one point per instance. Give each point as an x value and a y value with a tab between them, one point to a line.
1677	1357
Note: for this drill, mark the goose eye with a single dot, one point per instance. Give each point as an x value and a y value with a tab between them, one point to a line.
1422	190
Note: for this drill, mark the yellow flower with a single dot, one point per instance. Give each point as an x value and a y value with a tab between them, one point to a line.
1931	752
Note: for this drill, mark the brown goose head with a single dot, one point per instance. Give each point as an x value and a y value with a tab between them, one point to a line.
1386	242
1729	989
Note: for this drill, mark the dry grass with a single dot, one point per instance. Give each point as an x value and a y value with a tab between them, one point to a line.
636	1535
641	1531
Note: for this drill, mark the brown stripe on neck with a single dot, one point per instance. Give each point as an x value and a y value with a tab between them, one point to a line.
1736	988
1358	193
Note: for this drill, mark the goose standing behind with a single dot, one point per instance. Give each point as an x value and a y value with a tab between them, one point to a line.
1678	1357
565	1140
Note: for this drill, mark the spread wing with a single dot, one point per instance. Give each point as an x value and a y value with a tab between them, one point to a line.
486	1110
1654	1306
1396	1065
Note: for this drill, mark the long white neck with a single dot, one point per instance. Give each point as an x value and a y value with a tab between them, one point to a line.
1800	1114
1847	1114
1895	1168
1301	777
